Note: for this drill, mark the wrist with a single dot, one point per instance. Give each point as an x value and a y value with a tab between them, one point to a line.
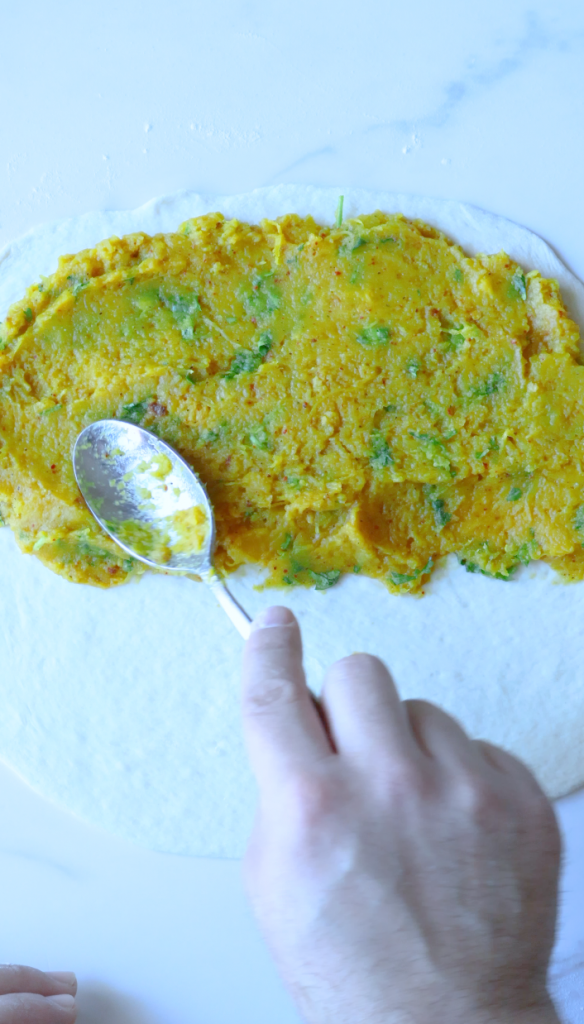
544	1014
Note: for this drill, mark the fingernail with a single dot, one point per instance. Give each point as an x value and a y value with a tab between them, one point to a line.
64	977
277	615
66	1001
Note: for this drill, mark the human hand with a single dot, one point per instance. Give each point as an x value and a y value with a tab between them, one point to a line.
400	871
28	996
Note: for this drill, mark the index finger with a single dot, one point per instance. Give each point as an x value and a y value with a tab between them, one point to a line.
282	727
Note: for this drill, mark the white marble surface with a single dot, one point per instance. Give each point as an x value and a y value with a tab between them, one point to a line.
105	106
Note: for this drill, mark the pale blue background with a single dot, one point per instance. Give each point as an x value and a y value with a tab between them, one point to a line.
106	106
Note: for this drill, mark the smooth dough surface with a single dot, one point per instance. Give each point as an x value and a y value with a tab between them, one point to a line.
122	705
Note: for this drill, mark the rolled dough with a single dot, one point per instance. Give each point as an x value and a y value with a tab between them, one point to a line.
123	705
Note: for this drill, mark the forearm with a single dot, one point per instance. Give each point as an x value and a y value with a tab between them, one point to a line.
544	1014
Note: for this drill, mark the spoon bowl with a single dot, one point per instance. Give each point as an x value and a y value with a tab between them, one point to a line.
151	503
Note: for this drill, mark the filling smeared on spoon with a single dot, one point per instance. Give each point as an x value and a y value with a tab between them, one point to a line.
151	503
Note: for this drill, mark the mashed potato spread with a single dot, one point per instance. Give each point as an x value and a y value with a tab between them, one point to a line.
363	398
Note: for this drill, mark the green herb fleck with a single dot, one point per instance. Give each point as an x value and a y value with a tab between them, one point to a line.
356	568
208	436
264	297
493	385
324	580
458	275
76	283
517	285
28	314
286	543
492	446
433	448
514	494
475	567
579	518
400	579
381	456
246	361
51	408
260	438
527	552
185	309
438	506
455	340
374	335
135	412
358	244
243	362
413	367
181	305
265	343
460	333
339	212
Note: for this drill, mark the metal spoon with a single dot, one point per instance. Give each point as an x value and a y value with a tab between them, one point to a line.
134	484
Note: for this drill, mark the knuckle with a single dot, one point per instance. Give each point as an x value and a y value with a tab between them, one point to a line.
311	798
542	816
264	695
403	779
477	797
351	670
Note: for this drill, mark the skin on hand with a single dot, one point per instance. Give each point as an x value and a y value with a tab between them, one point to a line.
400	871
28	996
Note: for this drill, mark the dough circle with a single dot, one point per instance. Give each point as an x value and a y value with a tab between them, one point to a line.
123	705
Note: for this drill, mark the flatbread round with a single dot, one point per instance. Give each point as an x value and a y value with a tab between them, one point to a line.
123	705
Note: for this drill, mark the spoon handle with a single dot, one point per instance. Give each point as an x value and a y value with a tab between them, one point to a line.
238	616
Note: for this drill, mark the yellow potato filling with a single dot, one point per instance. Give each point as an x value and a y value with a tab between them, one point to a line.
362	398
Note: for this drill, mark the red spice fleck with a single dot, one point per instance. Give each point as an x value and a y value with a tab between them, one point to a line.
157	409
253	320
112	570
450	410
54	468
338	273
